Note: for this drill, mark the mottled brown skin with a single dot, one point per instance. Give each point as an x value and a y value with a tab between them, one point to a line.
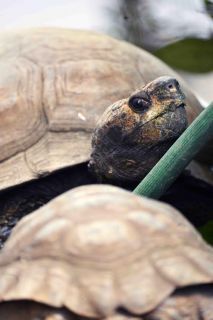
134	133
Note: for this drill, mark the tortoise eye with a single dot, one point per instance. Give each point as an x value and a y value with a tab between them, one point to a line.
139	104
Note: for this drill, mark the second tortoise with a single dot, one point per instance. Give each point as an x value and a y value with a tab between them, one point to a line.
102	252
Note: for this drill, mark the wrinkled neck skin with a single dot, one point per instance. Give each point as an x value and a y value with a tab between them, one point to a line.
120	156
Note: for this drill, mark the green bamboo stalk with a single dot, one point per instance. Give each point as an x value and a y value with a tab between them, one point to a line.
169	167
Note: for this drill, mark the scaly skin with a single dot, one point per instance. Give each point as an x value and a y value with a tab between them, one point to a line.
134	133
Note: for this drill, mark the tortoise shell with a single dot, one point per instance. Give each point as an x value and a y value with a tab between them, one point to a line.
54	85
97	249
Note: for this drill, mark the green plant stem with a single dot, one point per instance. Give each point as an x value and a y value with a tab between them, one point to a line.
169	167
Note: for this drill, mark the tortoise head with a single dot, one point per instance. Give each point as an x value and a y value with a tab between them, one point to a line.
134	133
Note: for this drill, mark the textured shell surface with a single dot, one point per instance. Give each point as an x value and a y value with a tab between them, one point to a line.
54	85
97	248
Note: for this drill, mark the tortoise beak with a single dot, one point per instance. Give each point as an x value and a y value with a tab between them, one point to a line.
181	99
177	96
180	95
175	90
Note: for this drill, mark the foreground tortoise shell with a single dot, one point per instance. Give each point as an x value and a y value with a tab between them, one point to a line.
54	85
98	250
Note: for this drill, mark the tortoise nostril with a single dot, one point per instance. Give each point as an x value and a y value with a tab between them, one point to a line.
173	84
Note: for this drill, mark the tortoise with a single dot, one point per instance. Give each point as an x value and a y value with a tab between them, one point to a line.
100	251
54	85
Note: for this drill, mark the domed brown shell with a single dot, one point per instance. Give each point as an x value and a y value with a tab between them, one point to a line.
54	85
99	248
